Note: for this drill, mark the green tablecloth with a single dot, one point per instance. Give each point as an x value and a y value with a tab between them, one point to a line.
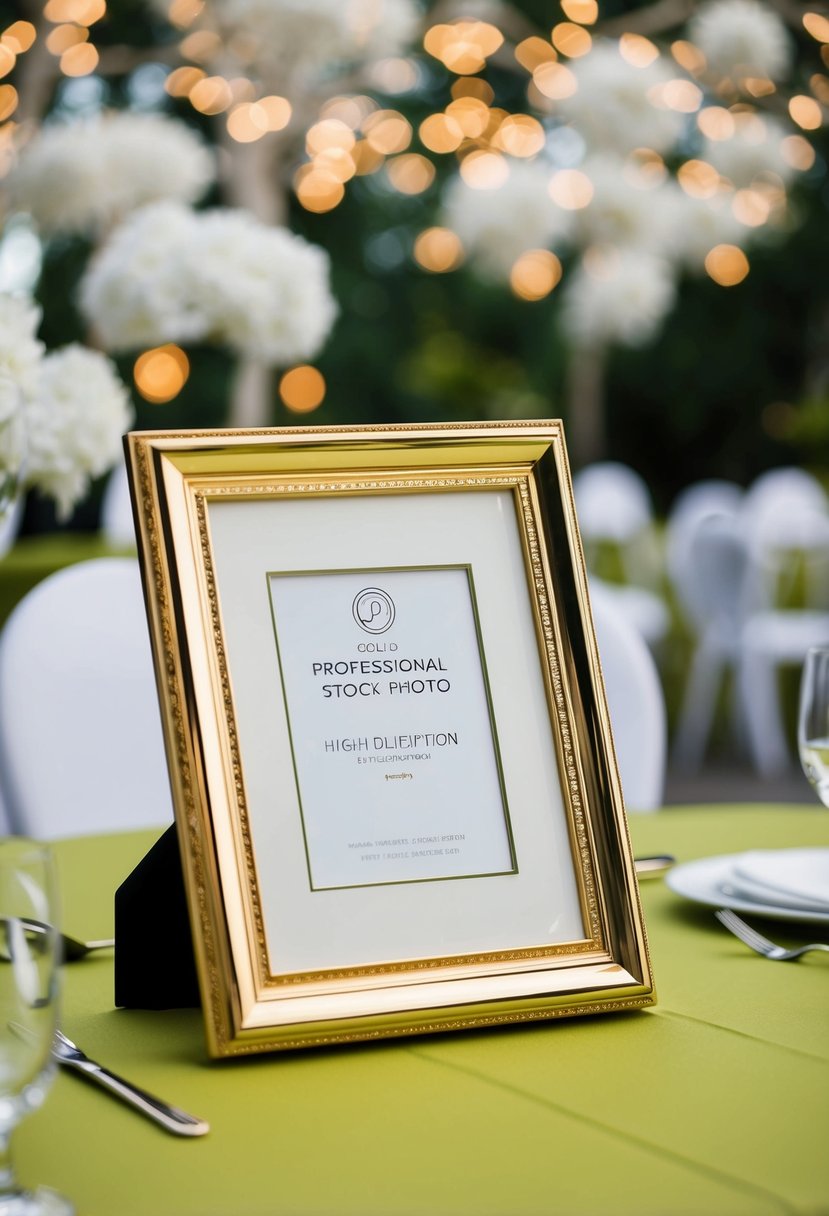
715	1102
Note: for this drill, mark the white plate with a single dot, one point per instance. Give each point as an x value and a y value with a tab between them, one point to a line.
705	881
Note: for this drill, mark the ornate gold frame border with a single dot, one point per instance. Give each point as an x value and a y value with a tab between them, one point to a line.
178	473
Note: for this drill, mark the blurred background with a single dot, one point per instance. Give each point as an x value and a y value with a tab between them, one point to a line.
259	212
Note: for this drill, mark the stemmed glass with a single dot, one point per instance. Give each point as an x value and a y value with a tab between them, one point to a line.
813	721
29	960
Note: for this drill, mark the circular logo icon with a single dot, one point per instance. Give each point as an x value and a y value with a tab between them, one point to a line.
373	610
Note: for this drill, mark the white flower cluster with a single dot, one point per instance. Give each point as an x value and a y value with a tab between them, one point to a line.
741	38
62	414
86	175
299	39
497	226
169	274
636	226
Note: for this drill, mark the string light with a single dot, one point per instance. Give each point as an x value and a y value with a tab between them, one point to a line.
535	274
571	40
727	265
484	170
411	173
688	56
161	373
817	25
570	189
19	37
80	60
585	12
438	250
302	389
637	50
440	133
716	122
806	112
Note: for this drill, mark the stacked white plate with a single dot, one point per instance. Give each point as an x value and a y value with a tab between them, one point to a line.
789	884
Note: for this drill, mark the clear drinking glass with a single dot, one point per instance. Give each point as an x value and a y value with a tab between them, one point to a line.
813	721
29	973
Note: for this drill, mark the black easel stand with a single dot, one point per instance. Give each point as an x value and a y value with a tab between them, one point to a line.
154	965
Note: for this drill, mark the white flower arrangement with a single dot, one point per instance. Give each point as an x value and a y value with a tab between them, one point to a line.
618	296
62	415
741	38
497	226
611	107
300	39
753	149
85	175
169	274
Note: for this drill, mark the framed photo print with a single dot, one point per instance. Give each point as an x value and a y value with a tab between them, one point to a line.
395	790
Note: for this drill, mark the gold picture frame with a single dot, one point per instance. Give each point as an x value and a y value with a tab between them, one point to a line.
396	796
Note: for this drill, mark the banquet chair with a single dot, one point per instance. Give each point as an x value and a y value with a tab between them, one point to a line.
614	507
635	702
80	732
695	504
715	599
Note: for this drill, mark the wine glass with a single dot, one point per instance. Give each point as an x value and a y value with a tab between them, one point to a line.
29	958
813	721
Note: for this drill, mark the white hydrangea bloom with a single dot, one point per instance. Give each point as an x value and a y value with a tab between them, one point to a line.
754	148
139	289
497	226
696	225
741	38
623	300
169	274
299	38
74	424
623	213
86	175
20	350
611	108
11	437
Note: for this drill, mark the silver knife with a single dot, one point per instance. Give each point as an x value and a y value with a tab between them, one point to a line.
653	867
169	1117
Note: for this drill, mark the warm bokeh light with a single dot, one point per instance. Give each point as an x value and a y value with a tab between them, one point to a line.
8	59
819	84
797	152
440	133
688	56
817	24
727	265
394	75
570	189
160	374
637	50
585	12
472	86
330	133
555	81
471	114
806	112
571	40
247	122
81	12
211	95
387	132
758	86
182	13
484	170
302	389
645	168
532	52
520	135
680	95
353	111
463	46
80	60
751	207
180	81
8	101
438	250
318	189
535	274
19	37
698	179
336	161
63	36
716	122
366	159
411	173
278	110
202	46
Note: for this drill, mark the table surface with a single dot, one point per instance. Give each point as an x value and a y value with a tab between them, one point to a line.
716	1101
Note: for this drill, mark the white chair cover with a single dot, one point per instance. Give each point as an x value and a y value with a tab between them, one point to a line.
714	589
614	505
635	702
691	508
80	732
117	522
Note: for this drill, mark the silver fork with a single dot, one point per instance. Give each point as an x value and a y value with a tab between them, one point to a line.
761	944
